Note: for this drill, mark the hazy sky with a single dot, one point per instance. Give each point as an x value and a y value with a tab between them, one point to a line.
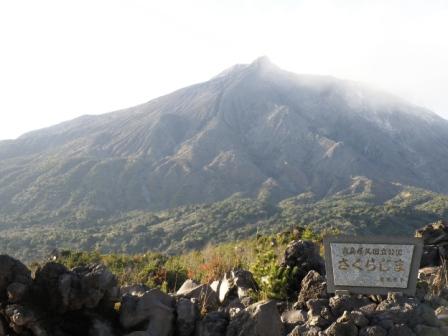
60	59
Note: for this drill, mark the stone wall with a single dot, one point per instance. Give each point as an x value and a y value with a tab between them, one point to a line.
88	301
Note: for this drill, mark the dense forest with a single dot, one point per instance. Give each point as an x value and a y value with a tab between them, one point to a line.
237	218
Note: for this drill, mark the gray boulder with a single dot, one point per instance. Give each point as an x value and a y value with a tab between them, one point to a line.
435	239
313	286
442	314
298	330
100	327
215	285
234	307
52	286
294	316
206	297
404	311
368	310
428	316
17	292
386	324
236	283
84	287
14	272
153	307
342	329
3	327
390	313
424	330
225	288
373	331
305	330
434	234
213	324
344	326
244	281
339	304
359	319
428	273
303	255
260	319
400	330
24	319
134	289
187	315
430	256
96	282
187	287
319	313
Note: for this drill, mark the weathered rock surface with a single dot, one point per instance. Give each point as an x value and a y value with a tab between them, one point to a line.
134	289
401	312
373	331
339	304
153	309
12	272
101	327
423	330
442	314
187	314
435	239
3	326
294	316
16	292
213	324
342	328
24	319
434	234
313	286
237	283
260	319
304	256
206	297
359	319
244	282
319	313
400	330
65	290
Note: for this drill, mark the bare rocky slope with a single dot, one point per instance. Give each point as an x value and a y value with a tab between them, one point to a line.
252	129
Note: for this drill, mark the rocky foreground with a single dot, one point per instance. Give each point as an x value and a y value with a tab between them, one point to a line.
88	301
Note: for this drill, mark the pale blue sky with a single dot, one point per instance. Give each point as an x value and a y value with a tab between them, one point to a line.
60	59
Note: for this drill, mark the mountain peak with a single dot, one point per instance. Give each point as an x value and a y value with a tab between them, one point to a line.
212	140
262	60
262	63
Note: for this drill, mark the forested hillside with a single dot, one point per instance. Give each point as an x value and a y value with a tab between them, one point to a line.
365	208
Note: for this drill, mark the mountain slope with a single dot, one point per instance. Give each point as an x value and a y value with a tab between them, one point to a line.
254	129
362	208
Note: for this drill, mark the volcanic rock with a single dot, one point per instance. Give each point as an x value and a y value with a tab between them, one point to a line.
260	319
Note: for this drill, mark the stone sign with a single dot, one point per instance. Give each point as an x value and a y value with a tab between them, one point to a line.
372	265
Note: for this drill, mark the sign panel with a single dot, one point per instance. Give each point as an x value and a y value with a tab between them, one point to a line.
372	265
